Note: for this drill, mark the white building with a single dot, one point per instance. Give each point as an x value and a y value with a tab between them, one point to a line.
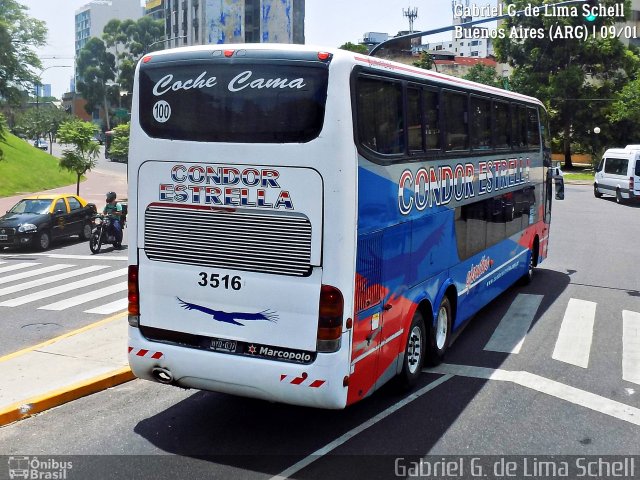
92	17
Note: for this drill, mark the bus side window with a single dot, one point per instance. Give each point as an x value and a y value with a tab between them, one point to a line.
414	119
533	128
502	124
480	123
456	121
380	115
432	119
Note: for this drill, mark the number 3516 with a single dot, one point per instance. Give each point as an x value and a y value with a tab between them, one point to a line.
215	280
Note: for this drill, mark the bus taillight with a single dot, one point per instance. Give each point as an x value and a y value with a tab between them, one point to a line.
134	296
330	319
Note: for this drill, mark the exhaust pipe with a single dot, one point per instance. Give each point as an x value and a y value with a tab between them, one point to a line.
162	375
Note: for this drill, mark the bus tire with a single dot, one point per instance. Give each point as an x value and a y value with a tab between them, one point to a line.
619	198
413	353
439	333
527	278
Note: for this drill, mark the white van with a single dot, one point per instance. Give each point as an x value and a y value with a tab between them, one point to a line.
618	173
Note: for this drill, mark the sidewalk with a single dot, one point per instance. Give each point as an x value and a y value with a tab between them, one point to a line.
63	369
93	189
75	364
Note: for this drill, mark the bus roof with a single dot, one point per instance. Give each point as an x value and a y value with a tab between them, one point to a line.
358	59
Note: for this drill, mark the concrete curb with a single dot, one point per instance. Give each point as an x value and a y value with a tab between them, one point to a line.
65	391
55	398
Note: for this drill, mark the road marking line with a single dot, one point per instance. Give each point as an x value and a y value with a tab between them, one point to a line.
32	297
17	266
550	387
80	257
305	462
52	279
631	346
576	333
121	304
60	337
86	297
33	273
509	336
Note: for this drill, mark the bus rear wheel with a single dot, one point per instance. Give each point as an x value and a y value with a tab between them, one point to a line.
413	353
439	334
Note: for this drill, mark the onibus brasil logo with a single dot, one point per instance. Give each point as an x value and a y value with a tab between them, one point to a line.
38	468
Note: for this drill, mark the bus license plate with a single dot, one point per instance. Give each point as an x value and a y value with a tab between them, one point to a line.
222	345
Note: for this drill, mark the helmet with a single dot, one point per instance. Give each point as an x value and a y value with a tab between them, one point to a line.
111	196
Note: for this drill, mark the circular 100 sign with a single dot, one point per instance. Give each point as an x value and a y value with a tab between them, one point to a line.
161	111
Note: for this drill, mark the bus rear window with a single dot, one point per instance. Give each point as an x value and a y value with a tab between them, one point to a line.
244	103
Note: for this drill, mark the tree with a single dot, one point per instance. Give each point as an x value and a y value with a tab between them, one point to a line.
566	74
119	149
19	36
353	47
3	128
131	40
96	68
483	74
426	61
84	155
627	103
41	122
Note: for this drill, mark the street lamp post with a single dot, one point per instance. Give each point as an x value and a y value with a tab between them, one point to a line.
165	40
39	84
596	149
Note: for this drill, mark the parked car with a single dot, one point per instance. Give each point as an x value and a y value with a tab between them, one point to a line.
41	143
618	173
38	220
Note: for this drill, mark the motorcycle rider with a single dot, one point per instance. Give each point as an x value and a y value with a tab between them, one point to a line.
114	211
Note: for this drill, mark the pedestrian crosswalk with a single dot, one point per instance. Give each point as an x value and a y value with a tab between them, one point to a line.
631	345
574	339
509	335
63	286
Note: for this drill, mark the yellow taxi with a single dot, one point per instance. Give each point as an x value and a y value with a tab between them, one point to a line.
38	220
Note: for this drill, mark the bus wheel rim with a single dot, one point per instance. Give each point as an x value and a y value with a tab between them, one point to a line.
414	349
441	328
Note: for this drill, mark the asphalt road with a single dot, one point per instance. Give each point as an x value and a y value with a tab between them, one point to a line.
534	399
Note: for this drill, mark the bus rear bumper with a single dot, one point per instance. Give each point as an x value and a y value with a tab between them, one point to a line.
319	385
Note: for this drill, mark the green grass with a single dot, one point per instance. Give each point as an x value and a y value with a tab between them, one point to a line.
26	169
579	176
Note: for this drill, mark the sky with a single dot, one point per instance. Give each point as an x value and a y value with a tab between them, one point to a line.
327	22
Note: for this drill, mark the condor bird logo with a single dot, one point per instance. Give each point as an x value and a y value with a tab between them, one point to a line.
231	317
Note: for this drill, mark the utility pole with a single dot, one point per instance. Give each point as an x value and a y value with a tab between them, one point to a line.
411	14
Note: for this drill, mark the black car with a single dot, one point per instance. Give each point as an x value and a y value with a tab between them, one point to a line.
40	219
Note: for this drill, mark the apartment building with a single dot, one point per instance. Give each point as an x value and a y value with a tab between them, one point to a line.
200	22
92	17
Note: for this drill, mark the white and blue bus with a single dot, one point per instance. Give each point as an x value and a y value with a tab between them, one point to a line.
307	224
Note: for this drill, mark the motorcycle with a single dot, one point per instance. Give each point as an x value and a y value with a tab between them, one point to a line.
102	233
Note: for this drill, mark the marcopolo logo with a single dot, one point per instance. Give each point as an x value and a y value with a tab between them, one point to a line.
283	354
38	469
